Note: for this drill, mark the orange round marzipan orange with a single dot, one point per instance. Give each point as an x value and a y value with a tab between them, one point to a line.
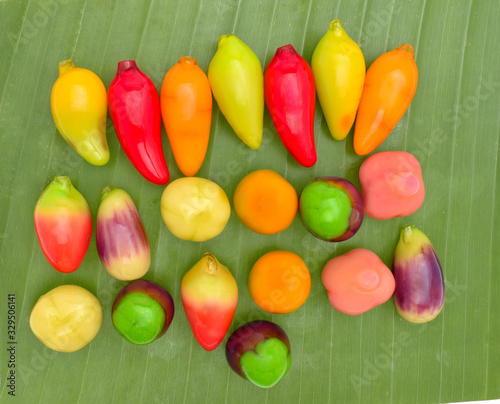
279	282
265	202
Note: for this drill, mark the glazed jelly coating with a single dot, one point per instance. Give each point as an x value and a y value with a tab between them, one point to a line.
279	282
66	318
331	208
357	281
259	351
265	202
142	312
209	295
391	184
195	208
420	290
121	239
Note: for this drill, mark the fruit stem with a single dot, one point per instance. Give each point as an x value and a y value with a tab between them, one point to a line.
65	66
223	39
212	263
188	60
125	65
336	28
407	48
407	233
105	191
64	183
286	49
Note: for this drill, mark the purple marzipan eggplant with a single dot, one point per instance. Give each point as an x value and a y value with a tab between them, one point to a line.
121	239
419	294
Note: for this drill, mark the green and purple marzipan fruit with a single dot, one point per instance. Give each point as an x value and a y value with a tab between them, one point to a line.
121	239
142	312
419	294
331	208
259	351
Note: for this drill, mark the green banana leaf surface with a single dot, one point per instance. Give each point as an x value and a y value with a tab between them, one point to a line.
452	127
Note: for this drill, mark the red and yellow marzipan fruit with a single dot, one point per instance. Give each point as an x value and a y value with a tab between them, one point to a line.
209	295
63	224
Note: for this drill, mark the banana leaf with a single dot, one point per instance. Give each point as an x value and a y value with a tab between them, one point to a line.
452	127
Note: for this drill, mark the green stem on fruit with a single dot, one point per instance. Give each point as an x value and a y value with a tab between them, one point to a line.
223	38
105	191
65	66
406	233
336	28
63	183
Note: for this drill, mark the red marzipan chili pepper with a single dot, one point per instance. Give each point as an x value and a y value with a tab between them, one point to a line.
290	97
134	106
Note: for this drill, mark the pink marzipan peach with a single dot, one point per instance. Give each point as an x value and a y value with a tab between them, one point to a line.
357	281
392	185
